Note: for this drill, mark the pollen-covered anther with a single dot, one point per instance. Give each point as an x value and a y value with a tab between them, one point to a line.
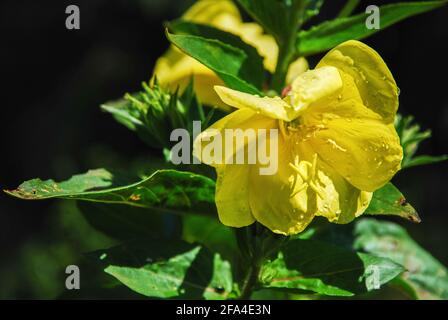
286	90
308	175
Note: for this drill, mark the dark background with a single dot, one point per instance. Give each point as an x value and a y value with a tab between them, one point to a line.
54	80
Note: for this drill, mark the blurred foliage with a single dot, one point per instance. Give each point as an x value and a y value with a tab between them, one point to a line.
411	136
37	270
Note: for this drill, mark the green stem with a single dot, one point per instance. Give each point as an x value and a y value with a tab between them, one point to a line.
256	244
249	282
285	56
287	47
250	252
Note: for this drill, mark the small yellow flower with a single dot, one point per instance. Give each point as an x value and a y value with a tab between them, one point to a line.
174	69
337	144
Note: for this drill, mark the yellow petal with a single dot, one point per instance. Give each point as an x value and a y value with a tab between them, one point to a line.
211	11
240	119
274	108
361	147
282	202
296	68
373	79
253	34
312	87
342	202
224	15
232	186
336	199
174	70
232	195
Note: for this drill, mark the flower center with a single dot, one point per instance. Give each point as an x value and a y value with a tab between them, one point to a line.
299	131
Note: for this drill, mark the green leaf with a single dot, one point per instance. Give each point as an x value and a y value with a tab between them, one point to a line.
165	269
211	233
312	8
326	269
168	191
38	189
427	276
422	160
331	33
388	200
124	112
252	70
411	136
277	17
126	223
229	63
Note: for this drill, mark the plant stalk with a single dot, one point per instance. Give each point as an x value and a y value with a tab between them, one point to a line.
285	57
250	281
287	47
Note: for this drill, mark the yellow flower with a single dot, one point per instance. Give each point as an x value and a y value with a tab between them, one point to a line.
337	144
174	69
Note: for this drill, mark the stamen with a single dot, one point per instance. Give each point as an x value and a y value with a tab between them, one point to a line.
297	169
314	167
301	188
308	180
283	132
317	190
